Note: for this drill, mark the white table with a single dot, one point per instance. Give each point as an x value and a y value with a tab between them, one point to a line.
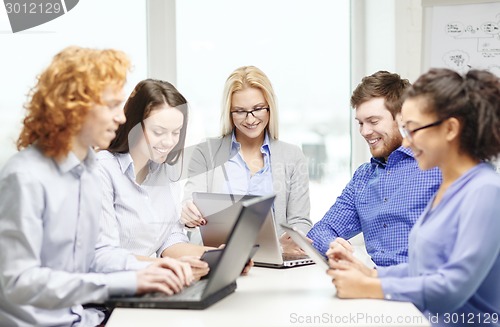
302	296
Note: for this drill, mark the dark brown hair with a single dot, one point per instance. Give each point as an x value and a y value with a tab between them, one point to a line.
381	84
474	99
146	96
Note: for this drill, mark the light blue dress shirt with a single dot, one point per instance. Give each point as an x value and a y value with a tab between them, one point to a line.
383	200
49	223
239	177
453	270
144	219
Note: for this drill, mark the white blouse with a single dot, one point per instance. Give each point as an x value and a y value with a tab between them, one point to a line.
143	219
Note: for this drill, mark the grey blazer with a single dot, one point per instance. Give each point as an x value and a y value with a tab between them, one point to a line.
289	171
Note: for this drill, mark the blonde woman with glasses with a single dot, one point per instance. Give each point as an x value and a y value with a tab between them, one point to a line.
248	157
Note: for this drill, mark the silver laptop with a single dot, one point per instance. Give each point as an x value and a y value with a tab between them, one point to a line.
218	210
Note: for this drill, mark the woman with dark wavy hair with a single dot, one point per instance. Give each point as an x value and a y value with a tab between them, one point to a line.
141	206
451	122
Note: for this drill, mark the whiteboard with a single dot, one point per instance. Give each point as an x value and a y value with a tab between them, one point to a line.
461	35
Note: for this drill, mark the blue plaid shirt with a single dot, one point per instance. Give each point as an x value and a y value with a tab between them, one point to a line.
383	200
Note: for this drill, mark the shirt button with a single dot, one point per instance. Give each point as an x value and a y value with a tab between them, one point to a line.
388	296
385	225
382	251
385	199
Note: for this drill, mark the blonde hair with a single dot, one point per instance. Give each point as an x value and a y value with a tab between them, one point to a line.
65	92
247	77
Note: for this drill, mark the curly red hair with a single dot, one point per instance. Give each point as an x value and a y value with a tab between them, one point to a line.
70	86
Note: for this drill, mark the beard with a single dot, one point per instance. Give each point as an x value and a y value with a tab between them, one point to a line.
388	146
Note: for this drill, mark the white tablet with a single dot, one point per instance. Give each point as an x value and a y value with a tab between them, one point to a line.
302	241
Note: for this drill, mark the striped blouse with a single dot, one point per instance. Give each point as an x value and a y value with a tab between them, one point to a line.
143	219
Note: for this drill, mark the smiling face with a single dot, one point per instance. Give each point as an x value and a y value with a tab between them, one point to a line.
250	127
378	128
101	123
428	145
162	130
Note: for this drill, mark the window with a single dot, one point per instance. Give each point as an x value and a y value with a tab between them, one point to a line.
92	23
303	47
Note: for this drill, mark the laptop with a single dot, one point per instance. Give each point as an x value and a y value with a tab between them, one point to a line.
219	212
302	241
222	281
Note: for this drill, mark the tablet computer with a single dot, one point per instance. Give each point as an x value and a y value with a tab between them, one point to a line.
301	240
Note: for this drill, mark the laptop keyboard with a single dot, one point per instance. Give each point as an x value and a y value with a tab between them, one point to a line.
192	292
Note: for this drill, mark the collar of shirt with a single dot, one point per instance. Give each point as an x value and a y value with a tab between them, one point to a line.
127	165
73	164
236	146
395	157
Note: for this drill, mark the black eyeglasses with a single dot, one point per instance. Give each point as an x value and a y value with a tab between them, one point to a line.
257	113
408	134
